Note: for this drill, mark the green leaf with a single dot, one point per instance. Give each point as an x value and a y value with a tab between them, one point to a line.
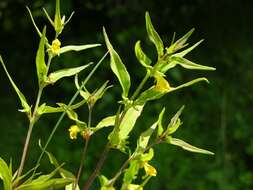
48	17
143	140
106	122
58	25
131	173
34	24
186	146
120	133
5	175
26	107
188	50
154	36
189	83
44	109
148	95
55	76
40	60
160	125
118	67
180	43
174	122
189	64
77	47
141	56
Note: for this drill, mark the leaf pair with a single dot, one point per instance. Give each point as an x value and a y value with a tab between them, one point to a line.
172	127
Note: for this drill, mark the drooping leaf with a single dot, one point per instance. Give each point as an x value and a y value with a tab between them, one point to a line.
57	75
34	24
141	56
77	48
22	98
186	146
5	175
40	59
154	36
118	67
180	43
106	122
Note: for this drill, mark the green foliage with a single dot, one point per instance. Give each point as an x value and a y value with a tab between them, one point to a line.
123	122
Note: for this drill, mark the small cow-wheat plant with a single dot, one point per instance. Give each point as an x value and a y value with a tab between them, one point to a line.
121	123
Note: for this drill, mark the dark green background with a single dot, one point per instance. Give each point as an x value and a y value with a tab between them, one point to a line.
217	117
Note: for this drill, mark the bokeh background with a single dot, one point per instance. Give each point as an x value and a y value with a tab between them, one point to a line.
217	117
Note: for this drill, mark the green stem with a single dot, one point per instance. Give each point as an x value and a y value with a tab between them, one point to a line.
141	85
28	136
64	113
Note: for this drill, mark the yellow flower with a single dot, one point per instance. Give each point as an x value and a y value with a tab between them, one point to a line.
150	170
162	84
73	131
55	47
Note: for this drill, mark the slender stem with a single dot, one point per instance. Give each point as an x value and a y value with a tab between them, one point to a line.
81	164
83	153
98	168
64	113
141	85
28	136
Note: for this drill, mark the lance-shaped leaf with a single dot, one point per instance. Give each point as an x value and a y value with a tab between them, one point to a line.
77	48
106	122
174	122
143	140
180	43
55	76
26	107
187	146
159	123
141	56
120	133
189	64
5	175
45	109
40	59
58	25
150	94
154	36
188	50
118	67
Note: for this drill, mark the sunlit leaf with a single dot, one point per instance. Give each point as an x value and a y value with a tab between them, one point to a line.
57	75
188	50
141	56
174	122
40	60
77	48
186	146
189	83
180	43
154	36
106	122
118	67
159	123
5	175
58	25
22	98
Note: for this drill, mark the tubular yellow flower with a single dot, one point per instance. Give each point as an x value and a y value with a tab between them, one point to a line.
73	131
150	170
55	47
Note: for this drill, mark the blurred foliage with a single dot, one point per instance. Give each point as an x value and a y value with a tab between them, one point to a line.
217	116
